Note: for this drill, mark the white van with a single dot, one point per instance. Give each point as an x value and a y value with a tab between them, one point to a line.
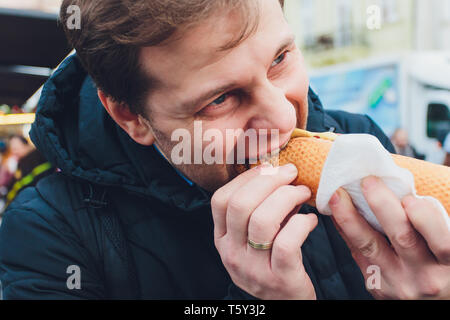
411	91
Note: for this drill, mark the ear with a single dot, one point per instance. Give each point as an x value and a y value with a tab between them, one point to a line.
135	125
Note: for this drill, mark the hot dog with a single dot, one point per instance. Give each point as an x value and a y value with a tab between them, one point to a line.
308	152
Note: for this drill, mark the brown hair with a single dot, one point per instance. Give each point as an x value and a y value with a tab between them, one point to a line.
113	31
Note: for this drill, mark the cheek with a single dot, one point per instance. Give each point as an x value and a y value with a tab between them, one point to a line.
224	138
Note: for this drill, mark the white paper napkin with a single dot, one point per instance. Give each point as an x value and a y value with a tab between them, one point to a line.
354	157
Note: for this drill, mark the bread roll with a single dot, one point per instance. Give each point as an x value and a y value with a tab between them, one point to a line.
308	152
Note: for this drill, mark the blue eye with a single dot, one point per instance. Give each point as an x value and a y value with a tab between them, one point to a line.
279	59
222	105
220	100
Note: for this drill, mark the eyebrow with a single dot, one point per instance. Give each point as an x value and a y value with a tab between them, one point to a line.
192	104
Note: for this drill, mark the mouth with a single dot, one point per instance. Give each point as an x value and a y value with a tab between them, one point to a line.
284	145
265	157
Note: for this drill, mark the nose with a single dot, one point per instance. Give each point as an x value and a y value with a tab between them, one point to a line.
272	110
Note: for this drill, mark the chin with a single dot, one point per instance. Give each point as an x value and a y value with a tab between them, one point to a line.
212	177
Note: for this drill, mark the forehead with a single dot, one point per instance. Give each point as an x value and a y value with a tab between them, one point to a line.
196	53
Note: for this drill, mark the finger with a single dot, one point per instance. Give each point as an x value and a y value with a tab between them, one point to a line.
286	252
219	200
430	223
407	242
367	268
363	240
293	212
360	260
267	218
248	197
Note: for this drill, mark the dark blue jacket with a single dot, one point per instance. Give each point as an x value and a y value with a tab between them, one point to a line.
128	220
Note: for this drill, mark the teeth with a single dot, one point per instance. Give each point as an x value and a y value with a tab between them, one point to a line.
267	156
275	152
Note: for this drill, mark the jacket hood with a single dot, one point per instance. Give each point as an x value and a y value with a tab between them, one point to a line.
76	134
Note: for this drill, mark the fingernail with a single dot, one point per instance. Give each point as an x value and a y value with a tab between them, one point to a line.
304	189
408	201
314	218
289	169
335	199
369	182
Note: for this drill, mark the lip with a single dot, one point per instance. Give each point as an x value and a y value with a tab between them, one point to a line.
271	153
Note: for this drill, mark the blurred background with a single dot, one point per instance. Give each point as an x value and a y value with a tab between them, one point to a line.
389	59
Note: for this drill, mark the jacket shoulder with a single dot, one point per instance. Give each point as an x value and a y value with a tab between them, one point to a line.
359	123
55	191
41	243
58	200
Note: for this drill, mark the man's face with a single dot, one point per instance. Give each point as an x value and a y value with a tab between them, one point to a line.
260	84
402	138
18	148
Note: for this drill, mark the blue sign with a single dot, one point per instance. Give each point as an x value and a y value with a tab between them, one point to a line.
371	91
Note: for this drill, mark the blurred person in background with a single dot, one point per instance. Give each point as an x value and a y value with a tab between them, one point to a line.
446	146
19	146
402	146
31	166
10	159
3	171
2	149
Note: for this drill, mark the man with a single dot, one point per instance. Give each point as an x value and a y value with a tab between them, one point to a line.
446	146
183	229
400	140
31	166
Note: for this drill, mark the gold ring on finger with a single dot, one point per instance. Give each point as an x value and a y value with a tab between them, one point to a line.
260	246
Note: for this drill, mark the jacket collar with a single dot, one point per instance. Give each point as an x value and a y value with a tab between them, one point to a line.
318	119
